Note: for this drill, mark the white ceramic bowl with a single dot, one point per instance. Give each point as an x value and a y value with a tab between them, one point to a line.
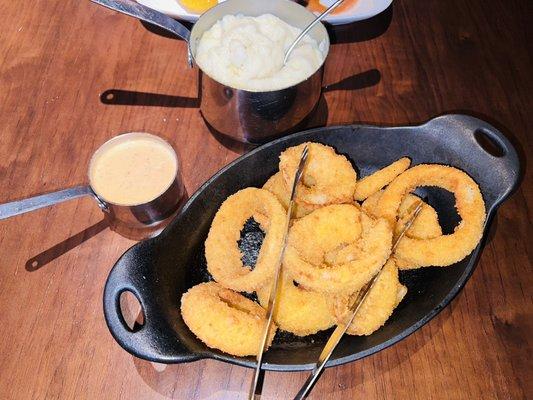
362	9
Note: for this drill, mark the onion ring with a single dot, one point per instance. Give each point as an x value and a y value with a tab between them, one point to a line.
445	249
326	252
276	186
402	291
378	305
221	251
298	310
224	319
328	177
371	184
425	226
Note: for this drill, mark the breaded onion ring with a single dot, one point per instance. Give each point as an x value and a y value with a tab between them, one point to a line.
378	305
384	297
276	186
428	225
298	310
378	180
328	177
445	249
425	226
224	319
326	252
224	259
402	291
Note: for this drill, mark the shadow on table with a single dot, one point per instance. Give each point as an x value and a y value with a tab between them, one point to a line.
316	118
41	259
200	380
397	356
135	98
356	82
361	31
161	32
176	381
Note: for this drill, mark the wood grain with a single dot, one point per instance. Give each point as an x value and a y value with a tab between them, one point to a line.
57	57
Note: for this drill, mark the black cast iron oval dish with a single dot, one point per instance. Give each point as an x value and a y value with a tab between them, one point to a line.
159	270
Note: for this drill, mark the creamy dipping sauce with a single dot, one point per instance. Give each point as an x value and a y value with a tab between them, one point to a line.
133	169
247	53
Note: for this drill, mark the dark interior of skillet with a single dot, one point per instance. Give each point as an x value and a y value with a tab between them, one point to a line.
177	259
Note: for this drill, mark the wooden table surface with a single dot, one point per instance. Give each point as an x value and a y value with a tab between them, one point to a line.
418	60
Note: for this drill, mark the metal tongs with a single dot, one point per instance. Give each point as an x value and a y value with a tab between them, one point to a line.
342	327
274	290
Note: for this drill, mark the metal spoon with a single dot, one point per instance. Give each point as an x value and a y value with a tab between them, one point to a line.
309	27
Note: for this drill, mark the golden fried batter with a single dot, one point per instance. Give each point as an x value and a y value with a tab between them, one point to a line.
224	258
425	226
224	319
379	179
378	305
276	186
336	249
328	177
299	310
445	249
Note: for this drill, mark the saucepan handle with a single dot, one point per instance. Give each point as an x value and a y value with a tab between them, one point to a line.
146	14
17	207
156	339
487	148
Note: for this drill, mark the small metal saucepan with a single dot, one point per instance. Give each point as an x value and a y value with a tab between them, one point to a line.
138	221
245	116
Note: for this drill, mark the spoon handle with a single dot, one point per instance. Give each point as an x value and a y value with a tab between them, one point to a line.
13	208
136	10
309	27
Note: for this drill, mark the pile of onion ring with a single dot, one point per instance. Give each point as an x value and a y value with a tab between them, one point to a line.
341	234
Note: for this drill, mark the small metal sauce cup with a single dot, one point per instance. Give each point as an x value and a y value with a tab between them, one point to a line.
136	222
245	116
143	220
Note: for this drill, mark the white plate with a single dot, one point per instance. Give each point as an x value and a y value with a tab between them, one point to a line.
362	9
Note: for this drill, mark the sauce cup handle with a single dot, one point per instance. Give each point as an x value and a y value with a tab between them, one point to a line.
17	207
143	13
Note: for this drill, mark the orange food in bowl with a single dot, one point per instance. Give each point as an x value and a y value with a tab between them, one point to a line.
316	6
197	6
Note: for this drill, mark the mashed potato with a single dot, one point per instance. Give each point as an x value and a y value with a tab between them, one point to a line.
247	53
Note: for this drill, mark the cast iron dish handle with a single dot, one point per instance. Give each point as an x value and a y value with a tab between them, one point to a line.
503	170
148	341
